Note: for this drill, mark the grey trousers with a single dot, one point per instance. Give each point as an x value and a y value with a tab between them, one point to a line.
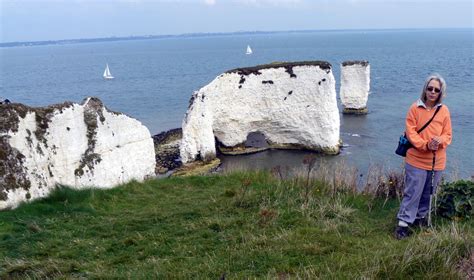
416	195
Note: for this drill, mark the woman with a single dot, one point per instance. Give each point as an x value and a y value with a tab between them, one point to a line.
428	155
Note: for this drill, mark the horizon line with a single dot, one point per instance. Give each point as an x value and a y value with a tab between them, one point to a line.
204	34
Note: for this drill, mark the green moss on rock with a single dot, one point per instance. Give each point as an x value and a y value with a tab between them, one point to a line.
93	110
12	173
241	150
43	118
10	115
198	168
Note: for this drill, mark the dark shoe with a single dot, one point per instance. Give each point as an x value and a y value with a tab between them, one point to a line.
402	232
421	222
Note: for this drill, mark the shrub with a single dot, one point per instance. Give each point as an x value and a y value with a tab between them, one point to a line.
456	200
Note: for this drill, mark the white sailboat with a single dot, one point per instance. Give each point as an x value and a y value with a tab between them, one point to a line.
249	50
107	74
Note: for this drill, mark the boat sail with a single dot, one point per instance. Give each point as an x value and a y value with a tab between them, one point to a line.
249	50
107	74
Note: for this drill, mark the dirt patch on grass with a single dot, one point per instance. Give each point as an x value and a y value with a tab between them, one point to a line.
466	266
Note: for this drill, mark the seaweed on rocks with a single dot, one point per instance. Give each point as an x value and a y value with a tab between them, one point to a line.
355	111
167	150
165	136
255	142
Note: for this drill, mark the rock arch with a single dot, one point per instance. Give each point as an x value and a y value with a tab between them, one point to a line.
293	104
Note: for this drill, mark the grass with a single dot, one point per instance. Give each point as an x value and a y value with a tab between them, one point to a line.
238	225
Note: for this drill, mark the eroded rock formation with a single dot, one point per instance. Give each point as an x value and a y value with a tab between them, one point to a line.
292	104
69	144
355	86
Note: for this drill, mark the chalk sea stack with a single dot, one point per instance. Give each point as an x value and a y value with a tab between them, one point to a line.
355	86
293	105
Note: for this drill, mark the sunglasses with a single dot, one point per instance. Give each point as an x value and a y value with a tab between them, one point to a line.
436	90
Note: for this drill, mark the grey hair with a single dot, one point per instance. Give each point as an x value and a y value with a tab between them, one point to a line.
439	78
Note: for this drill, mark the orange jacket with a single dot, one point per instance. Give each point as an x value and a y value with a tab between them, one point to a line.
420	156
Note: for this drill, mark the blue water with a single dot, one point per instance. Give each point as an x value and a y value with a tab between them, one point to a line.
154	80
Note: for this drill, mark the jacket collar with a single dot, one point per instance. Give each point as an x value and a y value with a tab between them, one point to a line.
420	103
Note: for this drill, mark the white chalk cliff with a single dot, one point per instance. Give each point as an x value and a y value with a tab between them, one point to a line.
292	104
355	84
80	146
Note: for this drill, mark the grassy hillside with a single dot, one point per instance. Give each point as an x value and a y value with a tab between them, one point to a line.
241	225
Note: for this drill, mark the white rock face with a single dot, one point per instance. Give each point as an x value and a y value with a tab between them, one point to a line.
80	146
293	104
355	84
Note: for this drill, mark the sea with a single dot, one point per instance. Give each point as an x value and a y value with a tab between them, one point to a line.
155	78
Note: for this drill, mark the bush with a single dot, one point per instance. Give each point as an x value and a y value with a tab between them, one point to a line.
456	200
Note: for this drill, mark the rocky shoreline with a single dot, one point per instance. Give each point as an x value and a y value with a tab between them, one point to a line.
167	150
168	160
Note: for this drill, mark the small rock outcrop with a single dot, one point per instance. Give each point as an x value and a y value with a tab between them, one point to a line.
293	105
167	150
168	160
69	144
355	86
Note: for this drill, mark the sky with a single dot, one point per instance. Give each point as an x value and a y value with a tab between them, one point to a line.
38	20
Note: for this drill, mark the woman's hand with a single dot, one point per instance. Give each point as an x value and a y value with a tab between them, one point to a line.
433	145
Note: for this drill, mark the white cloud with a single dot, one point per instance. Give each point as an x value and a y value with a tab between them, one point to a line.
268	2
210	2
244	2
